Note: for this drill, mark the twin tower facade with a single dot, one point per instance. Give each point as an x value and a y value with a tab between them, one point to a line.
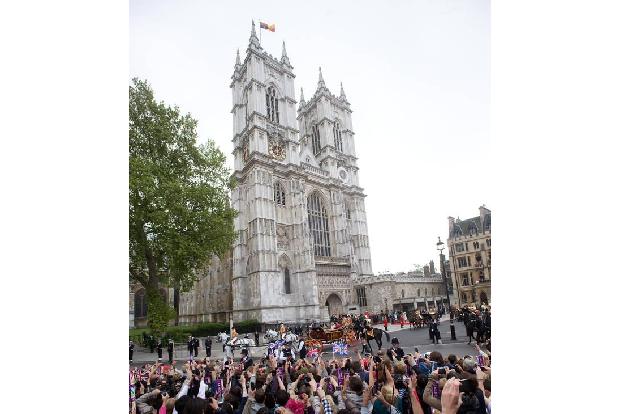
302	234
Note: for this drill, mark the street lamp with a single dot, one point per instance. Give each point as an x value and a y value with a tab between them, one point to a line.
440	247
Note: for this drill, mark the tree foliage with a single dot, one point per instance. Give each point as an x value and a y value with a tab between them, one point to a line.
179	208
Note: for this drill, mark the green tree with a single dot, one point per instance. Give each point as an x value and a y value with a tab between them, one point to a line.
179	209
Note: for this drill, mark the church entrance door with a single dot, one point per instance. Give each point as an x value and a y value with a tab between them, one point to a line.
334	304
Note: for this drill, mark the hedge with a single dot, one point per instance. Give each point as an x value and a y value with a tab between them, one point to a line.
181	333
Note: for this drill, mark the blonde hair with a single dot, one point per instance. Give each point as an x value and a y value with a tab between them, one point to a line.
388	392
170	405
400	368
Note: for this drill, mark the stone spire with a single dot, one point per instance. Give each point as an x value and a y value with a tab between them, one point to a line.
302	96
254	40
237	60
343	97
321	83
284	59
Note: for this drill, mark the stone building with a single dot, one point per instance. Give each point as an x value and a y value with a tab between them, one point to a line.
470	257
302	240
400	291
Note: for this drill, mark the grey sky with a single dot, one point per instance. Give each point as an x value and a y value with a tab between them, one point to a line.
415	72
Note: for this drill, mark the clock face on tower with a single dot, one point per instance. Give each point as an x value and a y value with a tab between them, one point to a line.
277	151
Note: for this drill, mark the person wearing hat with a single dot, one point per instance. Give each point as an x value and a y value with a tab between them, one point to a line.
195	345
171	348
159	350
395	352
246	360
131	351
190	345
435	332
208	346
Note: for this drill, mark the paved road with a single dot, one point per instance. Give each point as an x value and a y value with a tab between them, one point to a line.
408	339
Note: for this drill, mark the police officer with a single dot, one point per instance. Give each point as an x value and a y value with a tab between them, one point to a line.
469	322
171	350
208	346
131	351
256	338
196	344
159	350
151	343
435	332
190	345
395	352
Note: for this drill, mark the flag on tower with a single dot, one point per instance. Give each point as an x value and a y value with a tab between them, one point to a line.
270	27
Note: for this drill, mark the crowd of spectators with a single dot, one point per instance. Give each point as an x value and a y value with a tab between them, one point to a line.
388	382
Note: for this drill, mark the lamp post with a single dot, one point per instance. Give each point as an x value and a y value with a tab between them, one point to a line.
440	247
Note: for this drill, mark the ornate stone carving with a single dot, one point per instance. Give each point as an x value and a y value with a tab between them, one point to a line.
282	237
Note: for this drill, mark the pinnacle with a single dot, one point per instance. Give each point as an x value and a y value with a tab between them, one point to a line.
343	93
301	95
254	40
321	83
284	58
237	60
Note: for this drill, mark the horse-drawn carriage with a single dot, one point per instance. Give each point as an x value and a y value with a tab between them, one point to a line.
317	337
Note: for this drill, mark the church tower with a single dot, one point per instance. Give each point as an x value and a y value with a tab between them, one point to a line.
273	276
301	228
327	141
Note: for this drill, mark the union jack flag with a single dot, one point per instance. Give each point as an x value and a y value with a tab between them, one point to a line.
143	376
313	352
339	348
277	344
480	360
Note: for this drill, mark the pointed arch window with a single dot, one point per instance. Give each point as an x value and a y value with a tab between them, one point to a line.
338	140
318	224
316	139
287	281
271	103
418	293
279	194
140	304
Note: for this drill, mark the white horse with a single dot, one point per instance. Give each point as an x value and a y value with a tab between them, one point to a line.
271	335
223	337
240	342
290	337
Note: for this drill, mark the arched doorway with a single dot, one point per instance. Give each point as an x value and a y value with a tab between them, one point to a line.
334	304
483	297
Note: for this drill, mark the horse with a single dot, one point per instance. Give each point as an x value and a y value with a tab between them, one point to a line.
290	337
240	343
377	335
222	337
271	335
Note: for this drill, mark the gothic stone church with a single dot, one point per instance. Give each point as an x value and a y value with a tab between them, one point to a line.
302	230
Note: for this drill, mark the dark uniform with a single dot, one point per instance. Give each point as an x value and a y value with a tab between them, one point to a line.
256	338
303	350
246	360
480	327
151	343
395	352
435	332
171	349
208	346
196	344
131	351
469	322
190	345
368	335
159	350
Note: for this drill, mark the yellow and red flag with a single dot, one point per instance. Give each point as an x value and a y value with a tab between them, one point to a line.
270	27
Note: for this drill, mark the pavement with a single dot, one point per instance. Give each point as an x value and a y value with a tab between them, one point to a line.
409	339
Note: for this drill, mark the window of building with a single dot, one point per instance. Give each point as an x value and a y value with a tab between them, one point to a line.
318	223
425	292
459	247
361	295
279	194
338	141
140	304
348	214
316	139
465	280
287	281
468	261
461	262
418	293
489	242
402	293
271	103
476	245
